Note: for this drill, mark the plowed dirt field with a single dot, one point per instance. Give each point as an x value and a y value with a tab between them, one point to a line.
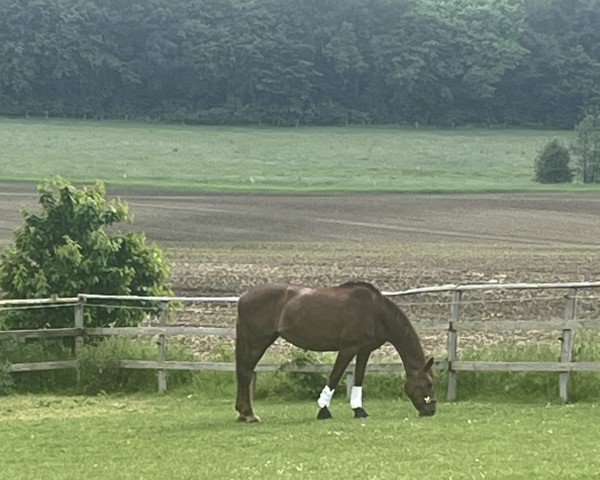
222	244
395	241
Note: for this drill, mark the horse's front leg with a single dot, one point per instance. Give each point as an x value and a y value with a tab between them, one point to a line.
357	389
341	363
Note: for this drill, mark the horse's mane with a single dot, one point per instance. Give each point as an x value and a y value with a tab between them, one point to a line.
353	283
404	336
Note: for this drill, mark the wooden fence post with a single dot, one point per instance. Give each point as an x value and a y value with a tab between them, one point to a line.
566	351
79	325
162	347
452	345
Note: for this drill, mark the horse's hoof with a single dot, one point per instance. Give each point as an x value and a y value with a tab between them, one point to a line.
360	413
324	414
248	419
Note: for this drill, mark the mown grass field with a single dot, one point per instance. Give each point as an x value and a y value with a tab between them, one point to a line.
179	436
183	436
246	159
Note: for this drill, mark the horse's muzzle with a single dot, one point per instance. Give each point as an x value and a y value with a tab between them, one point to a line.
428	410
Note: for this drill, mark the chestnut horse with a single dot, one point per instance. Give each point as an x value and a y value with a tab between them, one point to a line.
353	319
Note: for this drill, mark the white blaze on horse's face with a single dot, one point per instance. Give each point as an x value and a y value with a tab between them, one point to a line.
419	388
420	391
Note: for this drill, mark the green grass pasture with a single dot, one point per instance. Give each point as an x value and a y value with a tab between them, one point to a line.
303	160
183	436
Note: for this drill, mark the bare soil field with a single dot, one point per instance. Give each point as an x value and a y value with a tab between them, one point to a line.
557	220
519	219
222	244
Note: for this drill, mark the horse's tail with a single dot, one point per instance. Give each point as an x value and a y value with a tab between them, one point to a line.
259	310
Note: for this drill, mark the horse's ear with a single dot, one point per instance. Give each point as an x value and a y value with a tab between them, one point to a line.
428	365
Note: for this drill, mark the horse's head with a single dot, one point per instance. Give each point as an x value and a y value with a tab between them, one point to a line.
419	388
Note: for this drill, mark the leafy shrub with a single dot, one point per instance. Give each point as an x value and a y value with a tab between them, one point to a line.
552	164
66	250
305	382
586	148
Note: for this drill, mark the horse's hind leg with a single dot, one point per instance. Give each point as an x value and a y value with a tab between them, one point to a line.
247	354
341	363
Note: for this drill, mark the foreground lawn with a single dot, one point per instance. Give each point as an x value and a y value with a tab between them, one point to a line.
181	437
317	160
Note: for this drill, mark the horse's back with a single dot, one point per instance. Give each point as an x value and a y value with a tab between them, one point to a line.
327	318
331	318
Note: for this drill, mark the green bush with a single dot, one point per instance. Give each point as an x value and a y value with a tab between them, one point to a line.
301	382
586	148
66	250
552	165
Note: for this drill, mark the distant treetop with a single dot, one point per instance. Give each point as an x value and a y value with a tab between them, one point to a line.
310	62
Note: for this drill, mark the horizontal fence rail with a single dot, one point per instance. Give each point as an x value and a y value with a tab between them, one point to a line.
454	324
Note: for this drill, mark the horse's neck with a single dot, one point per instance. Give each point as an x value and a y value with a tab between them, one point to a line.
405	340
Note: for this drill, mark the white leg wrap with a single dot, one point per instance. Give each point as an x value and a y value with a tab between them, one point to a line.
325	397
356	397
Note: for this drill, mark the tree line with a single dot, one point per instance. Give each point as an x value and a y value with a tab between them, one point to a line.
309	62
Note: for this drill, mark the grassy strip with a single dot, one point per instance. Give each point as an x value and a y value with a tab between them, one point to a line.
308	160
188	437
99	371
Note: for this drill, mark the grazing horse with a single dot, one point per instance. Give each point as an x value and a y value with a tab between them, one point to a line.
353	319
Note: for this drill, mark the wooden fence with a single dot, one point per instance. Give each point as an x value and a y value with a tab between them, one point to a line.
454	324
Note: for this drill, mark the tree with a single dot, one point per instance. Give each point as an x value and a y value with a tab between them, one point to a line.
586	148
552	164
314	61
66	250
560	73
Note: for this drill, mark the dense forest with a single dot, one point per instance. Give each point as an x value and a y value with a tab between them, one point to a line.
303	62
